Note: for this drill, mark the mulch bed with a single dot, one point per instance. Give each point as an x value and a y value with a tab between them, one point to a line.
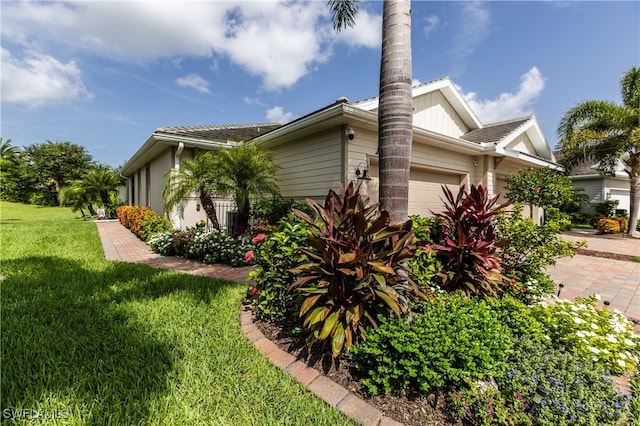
412	410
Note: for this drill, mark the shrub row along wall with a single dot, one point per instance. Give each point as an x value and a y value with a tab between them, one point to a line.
142	221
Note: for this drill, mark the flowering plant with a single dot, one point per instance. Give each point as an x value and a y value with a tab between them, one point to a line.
560	387
488	406
604	336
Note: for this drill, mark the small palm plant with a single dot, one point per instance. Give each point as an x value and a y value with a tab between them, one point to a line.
355	272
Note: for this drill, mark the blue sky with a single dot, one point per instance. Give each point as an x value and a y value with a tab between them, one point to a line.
106	74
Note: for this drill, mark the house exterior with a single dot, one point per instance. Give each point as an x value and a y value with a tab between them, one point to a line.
450	146
338	143
166	149
602	186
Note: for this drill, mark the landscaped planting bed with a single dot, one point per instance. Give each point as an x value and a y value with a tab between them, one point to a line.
472	335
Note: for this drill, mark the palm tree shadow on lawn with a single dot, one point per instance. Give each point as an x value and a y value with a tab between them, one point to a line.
70	336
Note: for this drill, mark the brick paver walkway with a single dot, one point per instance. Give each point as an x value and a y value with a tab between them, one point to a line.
616	281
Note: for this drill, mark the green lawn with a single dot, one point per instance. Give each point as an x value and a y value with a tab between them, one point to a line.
97	342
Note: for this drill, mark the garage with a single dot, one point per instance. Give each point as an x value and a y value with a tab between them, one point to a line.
425	189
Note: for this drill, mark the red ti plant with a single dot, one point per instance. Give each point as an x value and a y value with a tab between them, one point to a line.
469	243
355	270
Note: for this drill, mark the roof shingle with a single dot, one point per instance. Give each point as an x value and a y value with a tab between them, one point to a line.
220	133
495	132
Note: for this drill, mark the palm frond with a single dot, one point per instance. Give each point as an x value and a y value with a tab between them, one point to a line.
343	13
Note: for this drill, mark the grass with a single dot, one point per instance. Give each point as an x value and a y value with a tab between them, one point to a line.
89	341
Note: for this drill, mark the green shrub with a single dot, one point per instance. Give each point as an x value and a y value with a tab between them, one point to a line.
162	243
529	288
528	249
355	271
274	255
274	210
607	208
599	334
205	246
486	406
561	388
580	218
469	250
451	341
624	223
634	412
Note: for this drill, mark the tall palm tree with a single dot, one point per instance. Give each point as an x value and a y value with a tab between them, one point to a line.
102	180
395	108
245	172
607	132
197	176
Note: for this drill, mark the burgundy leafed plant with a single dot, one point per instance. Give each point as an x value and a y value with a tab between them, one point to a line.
355	270
468	250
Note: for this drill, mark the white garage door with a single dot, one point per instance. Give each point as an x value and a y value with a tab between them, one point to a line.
623	198
425	189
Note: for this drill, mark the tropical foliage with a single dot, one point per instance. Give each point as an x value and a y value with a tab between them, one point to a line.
607	133
197	176
544	188
355	270
245	172
468	247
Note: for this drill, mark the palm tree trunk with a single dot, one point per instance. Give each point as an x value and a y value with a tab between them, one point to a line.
243	218
210	210
634	195
92	211
395	111
104	197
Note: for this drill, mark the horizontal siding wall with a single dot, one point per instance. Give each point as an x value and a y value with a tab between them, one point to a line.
310	167
593	188
432	111
159	166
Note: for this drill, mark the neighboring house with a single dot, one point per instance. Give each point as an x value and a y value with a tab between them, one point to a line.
338	143
165	149
601	186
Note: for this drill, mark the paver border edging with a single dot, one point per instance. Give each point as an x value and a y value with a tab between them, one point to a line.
329	391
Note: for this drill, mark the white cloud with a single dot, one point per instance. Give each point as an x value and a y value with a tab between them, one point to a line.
473	27
37	79
277	115
195	82
253	101
431	23
509	105
277	41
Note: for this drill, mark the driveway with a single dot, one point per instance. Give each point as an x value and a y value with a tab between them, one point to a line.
616	281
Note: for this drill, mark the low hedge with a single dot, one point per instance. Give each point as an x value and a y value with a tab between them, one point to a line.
142	221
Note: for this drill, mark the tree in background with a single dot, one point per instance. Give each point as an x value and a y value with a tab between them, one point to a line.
544	188
52	164
245	172
197	176
395	110
607	132
10	162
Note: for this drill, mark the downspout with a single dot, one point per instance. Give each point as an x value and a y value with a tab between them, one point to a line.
176	168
